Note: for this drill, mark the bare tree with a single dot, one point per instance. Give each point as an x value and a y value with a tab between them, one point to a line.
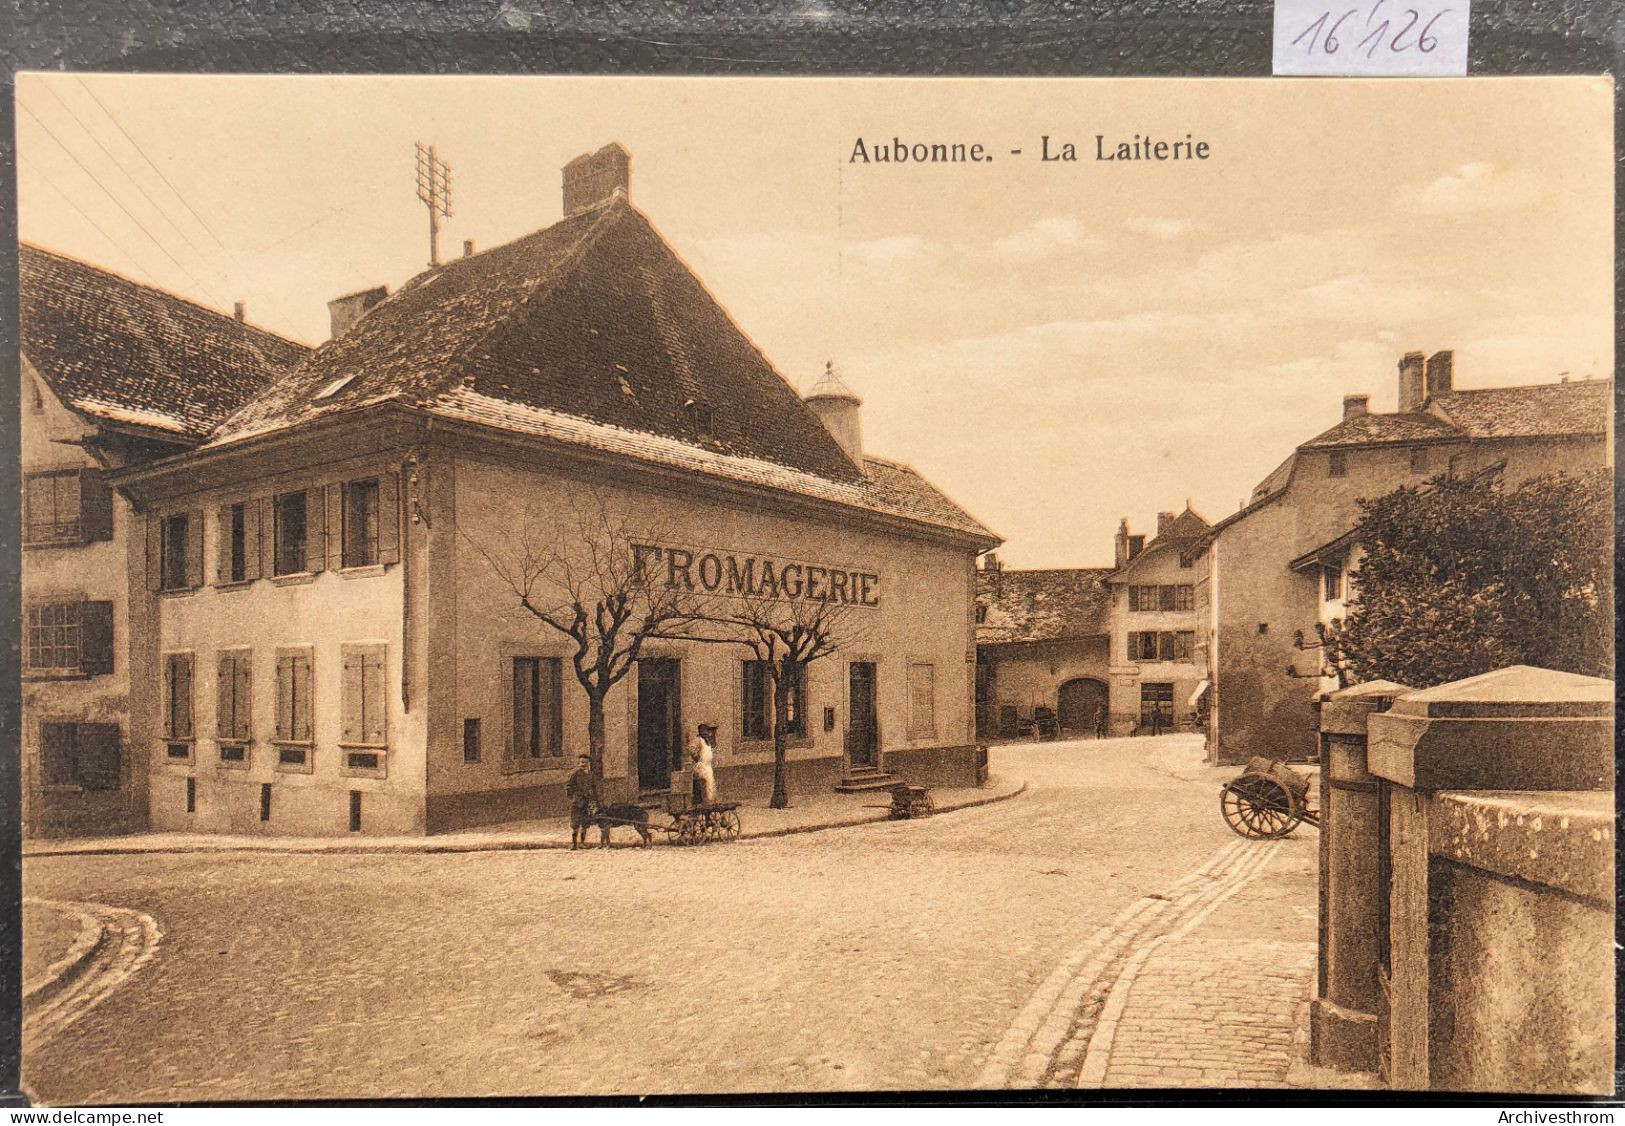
582	576
787	636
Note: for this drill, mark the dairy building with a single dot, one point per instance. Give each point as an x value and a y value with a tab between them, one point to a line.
349	655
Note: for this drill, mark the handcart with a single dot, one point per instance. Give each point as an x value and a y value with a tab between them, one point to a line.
1267	800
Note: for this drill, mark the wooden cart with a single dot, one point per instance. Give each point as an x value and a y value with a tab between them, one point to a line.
1267	801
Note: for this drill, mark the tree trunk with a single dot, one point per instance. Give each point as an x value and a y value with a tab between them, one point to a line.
595	732
781	709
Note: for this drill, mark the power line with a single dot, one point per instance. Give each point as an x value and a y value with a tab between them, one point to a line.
136	145
83	128
66	198
118	202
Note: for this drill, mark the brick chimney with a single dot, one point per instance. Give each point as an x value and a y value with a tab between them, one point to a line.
347	310
594	178
1411	385
1441	370
1120	543
240	311
1355	405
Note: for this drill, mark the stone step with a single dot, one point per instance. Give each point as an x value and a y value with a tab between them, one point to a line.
855	783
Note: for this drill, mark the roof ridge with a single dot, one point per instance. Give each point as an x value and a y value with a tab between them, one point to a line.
161	291
1592	381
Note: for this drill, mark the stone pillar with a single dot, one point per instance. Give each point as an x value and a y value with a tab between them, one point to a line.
1343	1015
1517	728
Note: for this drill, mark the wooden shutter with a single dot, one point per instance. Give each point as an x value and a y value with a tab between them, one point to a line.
57	754
267	534
284	696
183	695
244	670
98	754
373	698
155	560
556	703
96	638
225	687
252	533
389	518
95	507
194	548
350	705
222	545
336	516
315	529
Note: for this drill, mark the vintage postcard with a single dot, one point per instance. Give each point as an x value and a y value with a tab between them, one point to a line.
619	586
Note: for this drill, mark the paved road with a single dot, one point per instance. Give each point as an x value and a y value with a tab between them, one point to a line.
892	956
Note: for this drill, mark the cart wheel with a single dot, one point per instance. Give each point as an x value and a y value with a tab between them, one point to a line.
927	806
687	831
728	826
1259	807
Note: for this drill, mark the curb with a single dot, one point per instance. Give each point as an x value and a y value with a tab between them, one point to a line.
62	973
414	848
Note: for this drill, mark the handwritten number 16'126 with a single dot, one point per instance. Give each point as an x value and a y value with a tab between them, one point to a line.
1330	44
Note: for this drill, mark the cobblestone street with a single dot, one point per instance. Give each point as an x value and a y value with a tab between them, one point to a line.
1103	928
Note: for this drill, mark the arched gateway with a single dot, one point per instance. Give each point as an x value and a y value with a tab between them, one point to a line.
1082	706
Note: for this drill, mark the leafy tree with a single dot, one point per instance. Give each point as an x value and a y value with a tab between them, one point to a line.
1463	575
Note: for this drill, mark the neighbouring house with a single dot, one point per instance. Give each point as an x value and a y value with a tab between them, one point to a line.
350	659
1268	573
114	374
1099	649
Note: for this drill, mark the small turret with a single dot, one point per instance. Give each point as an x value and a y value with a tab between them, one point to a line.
836	406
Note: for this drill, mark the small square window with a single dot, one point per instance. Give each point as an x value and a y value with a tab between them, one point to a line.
182	751
292	756
361	760
1337	465
1263	628
234	754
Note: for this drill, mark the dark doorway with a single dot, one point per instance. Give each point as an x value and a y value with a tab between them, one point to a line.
660	724
1082	706
863	731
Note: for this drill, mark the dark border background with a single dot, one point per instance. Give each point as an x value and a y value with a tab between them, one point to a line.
1209	38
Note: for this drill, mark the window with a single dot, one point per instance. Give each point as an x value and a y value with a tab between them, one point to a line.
85	755
1337	465
795	707
177	551
69	639
1419	459
1142	645
1332	581
67	506
177	697
538	714
1157	705
756	701
1184	645
922	701
233	707
361	523
471	740
1142	599
1186	562
1184	597
292	519
699	415
293	698
365	714
981	613
239	546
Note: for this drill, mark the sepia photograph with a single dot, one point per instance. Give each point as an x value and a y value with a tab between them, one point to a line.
1099	586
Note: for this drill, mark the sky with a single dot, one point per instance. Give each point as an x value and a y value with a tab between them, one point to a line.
1057	345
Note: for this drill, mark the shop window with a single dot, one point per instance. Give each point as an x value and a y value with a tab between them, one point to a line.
922	701
233	704
177	703
68	639
83	755
1157	705
538	713
294	706
67	507
1337	464
364	710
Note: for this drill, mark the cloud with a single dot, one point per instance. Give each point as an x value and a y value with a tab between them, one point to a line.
1476	186
1047	236
1158	228
892	250
1365	300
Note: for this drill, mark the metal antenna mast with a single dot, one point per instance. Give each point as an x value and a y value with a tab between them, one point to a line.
434	189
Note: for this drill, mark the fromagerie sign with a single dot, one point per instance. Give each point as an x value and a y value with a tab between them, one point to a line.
757	576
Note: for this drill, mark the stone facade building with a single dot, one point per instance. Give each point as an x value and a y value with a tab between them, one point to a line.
1268	573
345	637
114	373
1102	650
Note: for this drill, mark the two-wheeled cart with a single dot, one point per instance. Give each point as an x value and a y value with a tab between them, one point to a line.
1267	800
